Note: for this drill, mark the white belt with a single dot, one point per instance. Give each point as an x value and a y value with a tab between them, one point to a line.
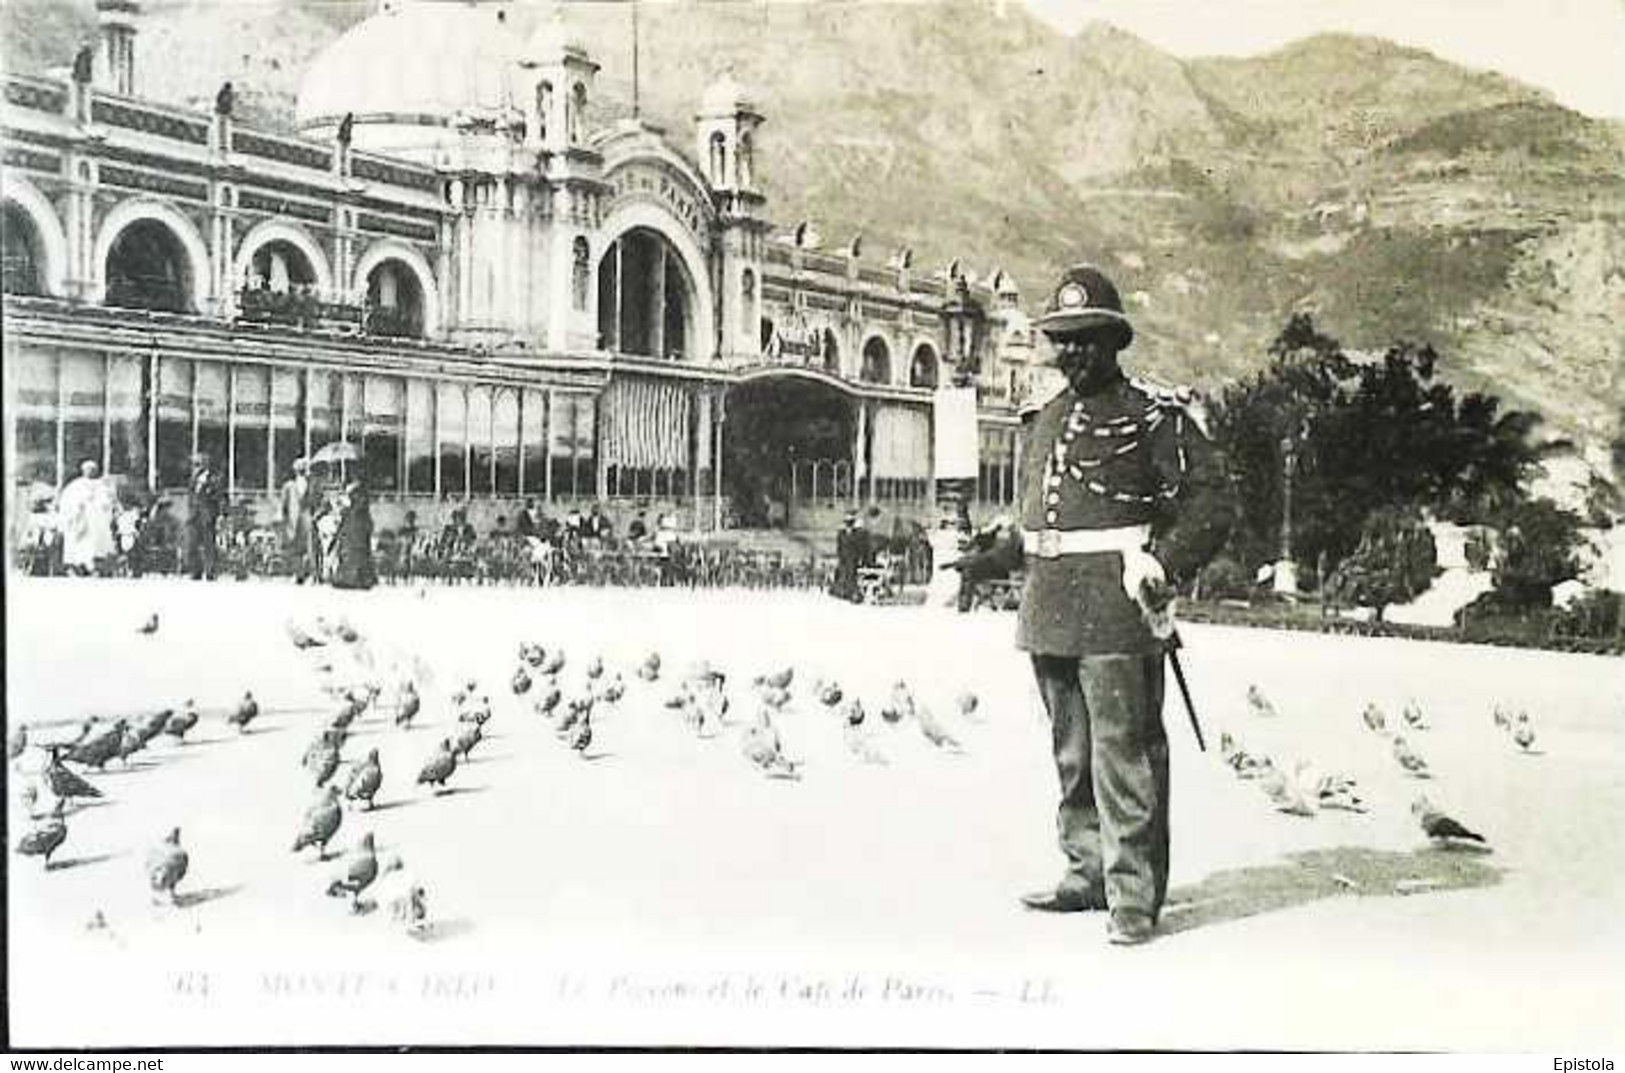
1054	543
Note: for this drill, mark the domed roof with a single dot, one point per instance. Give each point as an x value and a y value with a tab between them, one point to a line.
428	59
725	96
552	37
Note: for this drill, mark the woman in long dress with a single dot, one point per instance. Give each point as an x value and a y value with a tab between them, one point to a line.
353	545
86	509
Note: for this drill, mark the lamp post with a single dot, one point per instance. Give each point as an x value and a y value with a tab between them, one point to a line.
955	436
1286	569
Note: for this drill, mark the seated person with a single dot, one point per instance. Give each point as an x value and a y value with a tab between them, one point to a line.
639	529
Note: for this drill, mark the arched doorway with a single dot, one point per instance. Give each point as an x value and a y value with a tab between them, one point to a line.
23	253
394	300
147	268
646	299
787	441
876	362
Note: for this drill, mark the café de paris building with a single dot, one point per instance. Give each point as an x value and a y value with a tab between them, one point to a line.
449	267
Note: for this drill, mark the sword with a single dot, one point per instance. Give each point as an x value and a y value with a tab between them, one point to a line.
1174	645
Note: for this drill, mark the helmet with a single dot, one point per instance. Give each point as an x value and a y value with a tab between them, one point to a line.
1084	300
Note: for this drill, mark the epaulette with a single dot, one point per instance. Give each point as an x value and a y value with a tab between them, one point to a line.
1175	397
1165	395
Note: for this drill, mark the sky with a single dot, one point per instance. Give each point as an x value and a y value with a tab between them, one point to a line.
1574	49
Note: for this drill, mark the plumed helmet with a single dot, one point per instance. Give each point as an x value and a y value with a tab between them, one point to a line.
1084	300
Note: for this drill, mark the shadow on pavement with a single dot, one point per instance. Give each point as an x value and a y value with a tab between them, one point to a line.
1310	876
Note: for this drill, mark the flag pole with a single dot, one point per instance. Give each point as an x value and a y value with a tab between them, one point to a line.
636	111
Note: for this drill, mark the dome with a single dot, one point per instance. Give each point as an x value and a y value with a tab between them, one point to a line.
552	38
726	96
414	63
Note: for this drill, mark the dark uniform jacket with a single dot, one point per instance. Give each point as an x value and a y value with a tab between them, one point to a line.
1130	454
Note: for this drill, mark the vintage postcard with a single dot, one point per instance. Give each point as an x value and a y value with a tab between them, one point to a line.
953	524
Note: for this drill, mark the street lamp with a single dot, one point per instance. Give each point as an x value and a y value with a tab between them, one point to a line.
965	324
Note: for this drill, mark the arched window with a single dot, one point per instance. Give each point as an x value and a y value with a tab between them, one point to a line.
394	301
23	256
147	269
581	272
876	362
578	113
742	160
646	298
719	158
544	109
922	371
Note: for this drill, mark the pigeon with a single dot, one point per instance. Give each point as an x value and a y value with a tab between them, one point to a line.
46	838
576	711
406	709
154	725
401	895
1523	732
546	702
852	713
365	778
96	750
899	705
1502	720
64	783
475	713
439	767
594	668
520	682
1409	759
248	709
649	669
581	738
1285	793
613	690
300	638
360	869
781	678
762	748
1374	719
1333	791
166	866
324	761
321	822
150	626
934	731
679	698
969	706
829	694
16	742
469	738
131	743
1413	716
554	664
1260	704
1439	827
182	721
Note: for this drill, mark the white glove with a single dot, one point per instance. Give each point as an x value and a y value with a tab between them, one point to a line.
1146	583
1140	567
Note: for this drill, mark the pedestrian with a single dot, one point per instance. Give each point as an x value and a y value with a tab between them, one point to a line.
352	544
205	499
851	552
296	503
1123	498
86	510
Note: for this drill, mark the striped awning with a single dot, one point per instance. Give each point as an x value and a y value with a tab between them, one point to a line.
901	447
647	424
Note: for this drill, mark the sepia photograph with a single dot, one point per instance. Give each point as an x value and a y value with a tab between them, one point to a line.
1082	525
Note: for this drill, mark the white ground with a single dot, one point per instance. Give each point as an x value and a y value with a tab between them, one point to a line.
666	893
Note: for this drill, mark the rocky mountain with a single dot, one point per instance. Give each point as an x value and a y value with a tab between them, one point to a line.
1389	191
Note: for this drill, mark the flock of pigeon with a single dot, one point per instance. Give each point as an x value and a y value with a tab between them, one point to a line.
1303	790
366	688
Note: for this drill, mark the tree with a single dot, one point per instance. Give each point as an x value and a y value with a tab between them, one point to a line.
1539	548
1366	436
1395	562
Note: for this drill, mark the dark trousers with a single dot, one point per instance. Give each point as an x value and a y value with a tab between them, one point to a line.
201	549
1111	753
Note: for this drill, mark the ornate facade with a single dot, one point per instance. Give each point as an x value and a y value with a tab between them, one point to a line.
450	268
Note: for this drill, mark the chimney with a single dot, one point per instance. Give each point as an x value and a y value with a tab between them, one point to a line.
117	20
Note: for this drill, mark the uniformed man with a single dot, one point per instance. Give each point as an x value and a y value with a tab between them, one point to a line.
1123	499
